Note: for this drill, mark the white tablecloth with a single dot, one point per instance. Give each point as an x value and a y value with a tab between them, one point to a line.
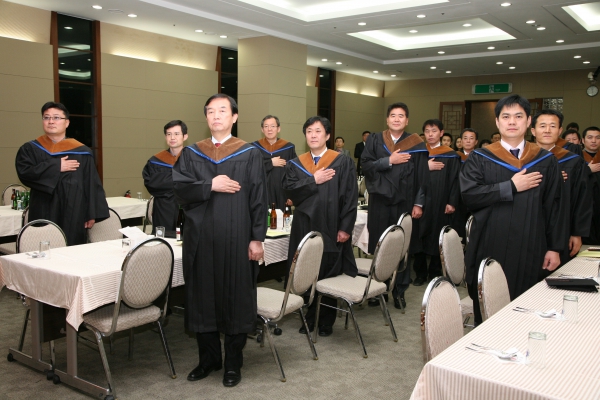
10	221
572	352
360	233
127	207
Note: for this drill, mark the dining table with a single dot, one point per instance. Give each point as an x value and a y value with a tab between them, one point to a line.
572	369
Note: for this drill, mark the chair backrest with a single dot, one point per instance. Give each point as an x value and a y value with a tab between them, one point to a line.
468	228
7	192
492	288
451	255
405	221
107	229
25	217
306	263
34	232
388	253
362	187
441	318
150	210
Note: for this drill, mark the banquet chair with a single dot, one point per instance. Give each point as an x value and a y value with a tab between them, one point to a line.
441	320
146	276
453	266
492	288
107	229
359	289
362	188
11	247
7	192
468	226
273	304
148	216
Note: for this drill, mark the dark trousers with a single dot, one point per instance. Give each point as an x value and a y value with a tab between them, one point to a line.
472	288
402	281
326	315
209	350
421	269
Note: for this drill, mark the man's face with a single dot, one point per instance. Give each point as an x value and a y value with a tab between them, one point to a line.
547	129
339	143
446	141
469	141
270	129
432	134
572	138
219	116
495	137
316	137
175	137
397	120
365	137
52	127
512	122
591	141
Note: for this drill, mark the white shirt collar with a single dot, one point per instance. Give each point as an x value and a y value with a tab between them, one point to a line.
222	141
508	147
437	145
318	155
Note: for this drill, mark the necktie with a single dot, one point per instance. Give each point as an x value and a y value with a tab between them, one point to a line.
317	160
515	152
218	144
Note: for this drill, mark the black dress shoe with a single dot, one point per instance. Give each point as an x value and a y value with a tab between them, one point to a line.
325	330
232	378
302	330
201	372
374	302
419	281
398	301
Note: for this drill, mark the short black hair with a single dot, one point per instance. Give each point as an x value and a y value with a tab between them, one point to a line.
573	125
339	137
469	130
232	103
52	104
513	100
556	113
397	105
176	122
433	122
496	133
269	117
313	120
366	132
589	128
484	141
450	136
570	132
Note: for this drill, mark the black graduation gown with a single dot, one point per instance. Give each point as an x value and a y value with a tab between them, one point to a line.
594	182
394	190
158	179
443	189
572	147
285	150
576	198
69	199
515	229
358	149
326	208
220	280
458	220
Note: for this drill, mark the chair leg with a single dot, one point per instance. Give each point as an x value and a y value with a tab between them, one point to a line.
386	316
22	339
346	324
166	348
358	335
267	335
130	353
317	318
339	306
310	343
102	352
52	355
381	302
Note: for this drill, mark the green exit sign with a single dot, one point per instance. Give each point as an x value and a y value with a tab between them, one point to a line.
492	88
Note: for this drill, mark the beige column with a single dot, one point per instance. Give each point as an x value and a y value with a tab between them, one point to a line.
272	80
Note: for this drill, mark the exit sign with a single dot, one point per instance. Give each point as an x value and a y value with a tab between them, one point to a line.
492	88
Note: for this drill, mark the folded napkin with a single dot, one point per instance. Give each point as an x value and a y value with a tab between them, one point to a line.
135	234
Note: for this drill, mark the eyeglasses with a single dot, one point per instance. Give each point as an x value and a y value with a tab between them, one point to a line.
270	127
46	118
174	134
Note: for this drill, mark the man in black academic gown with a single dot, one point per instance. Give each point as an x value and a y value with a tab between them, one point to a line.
513	189
62	175
440	203
546	127
276	152
322	185
397	174
358	149
158	177
591	155
470	137
220	183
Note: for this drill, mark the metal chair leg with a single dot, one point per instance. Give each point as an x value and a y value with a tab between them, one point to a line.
386	315
166	348
381	305
310	343
111	349
317	318
102	352
357	330
267	334
346	324
130	353
22	339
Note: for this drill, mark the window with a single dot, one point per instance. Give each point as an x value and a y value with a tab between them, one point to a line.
228	76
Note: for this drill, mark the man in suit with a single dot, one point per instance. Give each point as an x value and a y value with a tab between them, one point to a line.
358	149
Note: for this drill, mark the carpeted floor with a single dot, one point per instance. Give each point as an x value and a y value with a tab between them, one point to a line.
390	371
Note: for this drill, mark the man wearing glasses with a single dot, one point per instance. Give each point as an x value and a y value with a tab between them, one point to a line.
64	182
158	177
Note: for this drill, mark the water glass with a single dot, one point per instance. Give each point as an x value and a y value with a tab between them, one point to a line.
536	353
126	245
44	249
160	232
287	224
570	303
139	196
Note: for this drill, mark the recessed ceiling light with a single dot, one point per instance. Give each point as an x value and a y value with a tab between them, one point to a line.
499	62
338	62
419	16
505	4
89	59
432	67
320	76
375	72
132	15
560	41
413	31
393	76
541	28
512	67
230	58
586	62
223	36
530	22
441	52
199	30
362	23
62	63
68	27
467	25
448	72
577	57
491	48
77	70
323	59
97	7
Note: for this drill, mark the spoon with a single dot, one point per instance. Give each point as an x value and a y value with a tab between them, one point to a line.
504	355
544	314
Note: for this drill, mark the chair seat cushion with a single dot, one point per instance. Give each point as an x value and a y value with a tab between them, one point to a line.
350	288
8	248
269	302
101	318
466	305
364	266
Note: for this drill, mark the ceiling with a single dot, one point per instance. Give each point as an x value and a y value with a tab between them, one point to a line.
360	36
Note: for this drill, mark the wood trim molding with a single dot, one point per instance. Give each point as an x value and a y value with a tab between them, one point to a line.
54	43
97	113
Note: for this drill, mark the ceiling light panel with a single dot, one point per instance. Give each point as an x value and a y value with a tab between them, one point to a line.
319	10
587	15
435	35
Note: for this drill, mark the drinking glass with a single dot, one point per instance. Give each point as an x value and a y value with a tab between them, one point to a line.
536	353
160	232
44	249
570	303
139	196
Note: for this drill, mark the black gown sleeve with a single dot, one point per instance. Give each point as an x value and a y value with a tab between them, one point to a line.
36	174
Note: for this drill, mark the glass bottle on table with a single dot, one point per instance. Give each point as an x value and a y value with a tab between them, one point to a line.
273	223
12	199
179	225
287	218
14	203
